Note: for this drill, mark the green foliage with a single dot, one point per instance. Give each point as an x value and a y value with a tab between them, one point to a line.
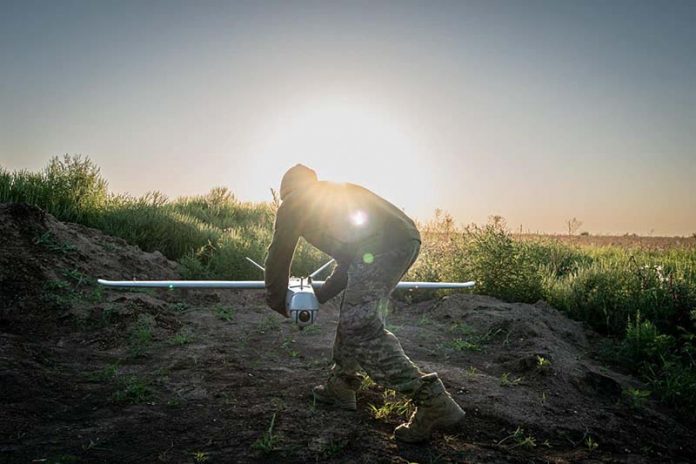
636	397
393	404
69	187
591	443
643	343
366	382
506	380
501	266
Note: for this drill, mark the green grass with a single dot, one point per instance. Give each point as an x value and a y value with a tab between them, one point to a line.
140	337
642	299
520	439
267	442
226	314
182	337
392	404
132	389
469	339
507	380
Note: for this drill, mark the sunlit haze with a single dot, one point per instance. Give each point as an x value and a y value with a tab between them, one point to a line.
538	111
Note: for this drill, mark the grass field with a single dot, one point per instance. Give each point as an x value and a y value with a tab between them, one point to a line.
639	292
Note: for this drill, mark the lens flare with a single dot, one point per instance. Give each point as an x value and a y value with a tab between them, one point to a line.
358	218
368	258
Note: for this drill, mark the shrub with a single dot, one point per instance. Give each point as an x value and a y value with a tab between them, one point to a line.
501	266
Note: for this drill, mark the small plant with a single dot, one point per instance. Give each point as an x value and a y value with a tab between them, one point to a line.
471	372
107	373
268	324
96	295
636	397
460	344
226	314
141	335
200	456
334	447
309	330
48	241
470	340
132	390
542	362
179	307
507	381
53	285
267	441
366	382
77	277
520	438
287	346
591	444
182	337
461	328
60	293
392	405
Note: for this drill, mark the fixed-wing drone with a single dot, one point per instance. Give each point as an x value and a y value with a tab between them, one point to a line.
301	303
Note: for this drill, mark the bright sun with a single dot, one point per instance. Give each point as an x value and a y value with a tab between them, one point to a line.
346	141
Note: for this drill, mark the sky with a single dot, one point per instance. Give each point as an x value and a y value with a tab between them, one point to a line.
537	111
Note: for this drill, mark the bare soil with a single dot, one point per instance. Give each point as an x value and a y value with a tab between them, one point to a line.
90	375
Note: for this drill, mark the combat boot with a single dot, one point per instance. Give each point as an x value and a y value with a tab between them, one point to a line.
337	393
435	410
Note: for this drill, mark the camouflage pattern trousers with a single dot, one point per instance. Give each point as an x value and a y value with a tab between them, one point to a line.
362	341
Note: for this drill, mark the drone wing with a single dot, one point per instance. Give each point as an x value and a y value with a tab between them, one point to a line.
241	284
435	285
425	285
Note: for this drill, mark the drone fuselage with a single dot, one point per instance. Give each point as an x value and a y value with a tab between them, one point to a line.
301	302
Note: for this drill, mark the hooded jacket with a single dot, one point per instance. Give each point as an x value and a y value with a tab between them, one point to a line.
342	220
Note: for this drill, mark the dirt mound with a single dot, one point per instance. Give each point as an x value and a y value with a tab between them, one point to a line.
529	366
92	375
40	254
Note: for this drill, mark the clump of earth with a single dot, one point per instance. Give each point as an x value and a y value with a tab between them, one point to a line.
97	375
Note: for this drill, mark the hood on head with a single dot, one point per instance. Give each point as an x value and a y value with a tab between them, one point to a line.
297	177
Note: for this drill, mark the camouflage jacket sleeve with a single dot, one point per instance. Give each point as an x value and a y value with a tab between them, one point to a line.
336	282
285	237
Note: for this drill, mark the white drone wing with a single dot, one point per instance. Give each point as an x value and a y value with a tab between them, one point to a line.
259	284
241	284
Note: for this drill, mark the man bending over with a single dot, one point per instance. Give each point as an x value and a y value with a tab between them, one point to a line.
374	243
